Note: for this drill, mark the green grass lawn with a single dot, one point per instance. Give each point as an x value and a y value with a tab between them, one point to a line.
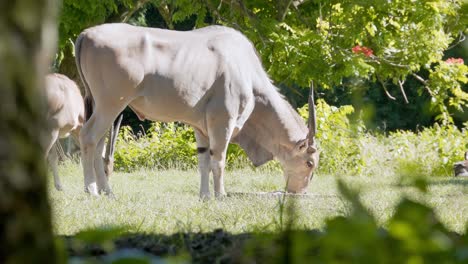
166	202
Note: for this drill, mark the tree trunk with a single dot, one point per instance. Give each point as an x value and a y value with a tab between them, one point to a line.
27	38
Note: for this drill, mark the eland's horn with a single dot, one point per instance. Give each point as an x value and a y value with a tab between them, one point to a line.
312	118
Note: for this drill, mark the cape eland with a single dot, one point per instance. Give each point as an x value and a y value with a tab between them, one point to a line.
461	168
65	116
210	79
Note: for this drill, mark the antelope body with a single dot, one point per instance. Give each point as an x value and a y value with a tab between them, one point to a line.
65	116
461	168
210	79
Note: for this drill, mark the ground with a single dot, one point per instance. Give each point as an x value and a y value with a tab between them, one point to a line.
166	202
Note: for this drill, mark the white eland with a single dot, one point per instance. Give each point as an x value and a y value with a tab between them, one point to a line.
210	79
65	116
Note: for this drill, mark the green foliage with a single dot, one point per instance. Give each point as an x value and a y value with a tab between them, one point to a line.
432	150
339	140
75	16
445	82
164	146
317	40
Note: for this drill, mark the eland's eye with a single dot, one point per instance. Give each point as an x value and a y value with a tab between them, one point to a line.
310	164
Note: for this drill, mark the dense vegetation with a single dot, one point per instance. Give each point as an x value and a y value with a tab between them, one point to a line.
375	55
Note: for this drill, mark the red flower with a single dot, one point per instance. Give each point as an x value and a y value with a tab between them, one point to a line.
356	49
368	52
455	61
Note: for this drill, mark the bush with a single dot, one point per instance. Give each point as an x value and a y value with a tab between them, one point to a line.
432	150
346	148
163	146
338	139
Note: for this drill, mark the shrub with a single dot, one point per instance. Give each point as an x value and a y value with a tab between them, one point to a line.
346	148
163	146
338	139
432	150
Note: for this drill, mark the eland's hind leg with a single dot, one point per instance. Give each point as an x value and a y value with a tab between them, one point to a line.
92	133
53	161
51	155
102	181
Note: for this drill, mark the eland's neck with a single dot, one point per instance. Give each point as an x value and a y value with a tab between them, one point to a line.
276	125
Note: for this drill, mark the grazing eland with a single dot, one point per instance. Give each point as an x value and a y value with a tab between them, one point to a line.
461	168
211	79
65	116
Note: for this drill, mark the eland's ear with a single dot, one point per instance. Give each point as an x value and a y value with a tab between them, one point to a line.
301	146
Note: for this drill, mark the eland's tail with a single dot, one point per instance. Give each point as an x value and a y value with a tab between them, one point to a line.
88	99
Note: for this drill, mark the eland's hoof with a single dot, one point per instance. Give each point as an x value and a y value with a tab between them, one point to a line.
108	193
92	189
220	195
205	196
59	187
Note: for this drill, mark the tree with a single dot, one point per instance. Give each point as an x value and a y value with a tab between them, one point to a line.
334	42
75	16
27	34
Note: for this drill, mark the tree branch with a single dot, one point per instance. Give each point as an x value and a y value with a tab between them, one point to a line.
282	15
215	11
403	91
129	13
461	38
385	89
239	4
166	14
297	3
421	80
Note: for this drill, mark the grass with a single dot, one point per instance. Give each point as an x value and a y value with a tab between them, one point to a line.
166	202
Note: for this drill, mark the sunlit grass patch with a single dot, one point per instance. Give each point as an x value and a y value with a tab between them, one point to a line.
166	202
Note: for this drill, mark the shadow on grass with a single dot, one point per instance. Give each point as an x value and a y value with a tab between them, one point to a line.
279	194
213	247
460	181
289	246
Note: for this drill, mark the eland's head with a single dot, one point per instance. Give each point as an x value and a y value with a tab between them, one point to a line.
108	166
304	157
461	168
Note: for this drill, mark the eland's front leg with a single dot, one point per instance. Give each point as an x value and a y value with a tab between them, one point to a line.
203	164
219	140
